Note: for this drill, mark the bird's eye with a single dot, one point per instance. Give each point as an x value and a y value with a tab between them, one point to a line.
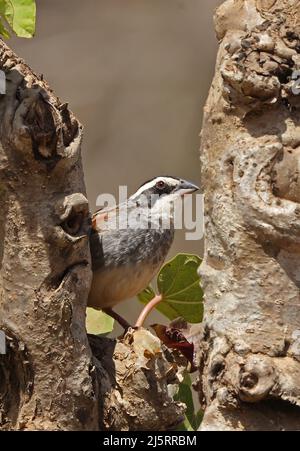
160	184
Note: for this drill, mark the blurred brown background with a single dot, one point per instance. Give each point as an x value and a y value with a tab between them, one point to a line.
136	73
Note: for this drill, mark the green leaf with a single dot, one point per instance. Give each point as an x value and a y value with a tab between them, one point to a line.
185	426
199	418
98	323
20	15
163	307
179	283
192	420
3	31
185	395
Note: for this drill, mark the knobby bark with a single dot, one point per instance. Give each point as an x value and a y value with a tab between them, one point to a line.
49	378
250	359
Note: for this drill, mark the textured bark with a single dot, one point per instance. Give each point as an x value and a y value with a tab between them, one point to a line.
138	378
49	378
250	172
45	274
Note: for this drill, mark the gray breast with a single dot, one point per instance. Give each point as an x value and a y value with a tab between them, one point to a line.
129	247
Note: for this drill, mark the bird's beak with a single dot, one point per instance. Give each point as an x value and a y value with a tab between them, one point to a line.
185	187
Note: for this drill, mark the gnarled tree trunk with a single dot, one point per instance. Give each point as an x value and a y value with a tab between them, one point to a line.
250	172
45	378
49	377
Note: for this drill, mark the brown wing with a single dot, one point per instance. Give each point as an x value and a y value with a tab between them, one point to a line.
102	218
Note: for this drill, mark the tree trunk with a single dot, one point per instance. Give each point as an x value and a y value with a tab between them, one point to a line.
250	172
45	273
49	378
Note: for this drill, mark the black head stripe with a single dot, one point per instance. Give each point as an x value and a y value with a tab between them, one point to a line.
157	178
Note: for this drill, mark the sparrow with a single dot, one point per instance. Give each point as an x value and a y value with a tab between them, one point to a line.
130	242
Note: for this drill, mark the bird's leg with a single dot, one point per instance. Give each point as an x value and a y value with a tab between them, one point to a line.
123	323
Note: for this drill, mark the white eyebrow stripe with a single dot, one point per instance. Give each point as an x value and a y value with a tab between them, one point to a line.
148	185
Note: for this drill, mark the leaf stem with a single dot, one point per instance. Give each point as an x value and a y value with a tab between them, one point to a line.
148	309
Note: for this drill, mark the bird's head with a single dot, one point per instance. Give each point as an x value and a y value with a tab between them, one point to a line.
151	205
163	190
